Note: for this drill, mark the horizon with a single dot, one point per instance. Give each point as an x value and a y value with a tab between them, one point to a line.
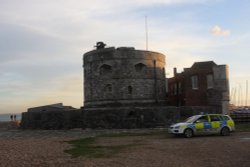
42	43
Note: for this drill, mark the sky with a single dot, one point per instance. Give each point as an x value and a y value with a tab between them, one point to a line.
42	42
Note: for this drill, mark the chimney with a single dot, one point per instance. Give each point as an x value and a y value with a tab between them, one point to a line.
175	71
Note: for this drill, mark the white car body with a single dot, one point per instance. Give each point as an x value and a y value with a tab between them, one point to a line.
204	124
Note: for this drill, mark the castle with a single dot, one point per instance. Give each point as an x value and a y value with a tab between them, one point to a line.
123	76
124	87
127	88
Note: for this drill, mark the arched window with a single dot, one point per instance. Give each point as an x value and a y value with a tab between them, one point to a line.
131	114
130	90
108	88
140	67
105	69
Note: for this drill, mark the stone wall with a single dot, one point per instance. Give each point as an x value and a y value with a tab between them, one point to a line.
123	76
111	117
129	117
221	79
56	119
140	117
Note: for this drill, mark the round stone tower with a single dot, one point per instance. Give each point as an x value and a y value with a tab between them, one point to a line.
123	76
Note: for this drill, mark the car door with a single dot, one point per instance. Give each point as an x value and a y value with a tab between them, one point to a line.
216	123
202	125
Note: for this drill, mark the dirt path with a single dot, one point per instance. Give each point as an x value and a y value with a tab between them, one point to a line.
45	148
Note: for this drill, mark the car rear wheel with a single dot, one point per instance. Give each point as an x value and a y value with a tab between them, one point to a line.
225	131
188	133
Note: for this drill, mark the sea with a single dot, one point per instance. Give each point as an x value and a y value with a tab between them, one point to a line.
6	117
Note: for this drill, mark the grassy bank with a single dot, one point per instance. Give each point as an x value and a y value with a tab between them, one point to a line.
90	148
87	147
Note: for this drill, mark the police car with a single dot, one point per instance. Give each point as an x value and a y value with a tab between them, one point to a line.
204	124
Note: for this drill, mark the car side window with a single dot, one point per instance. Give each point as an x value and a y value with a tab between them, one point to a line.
202	119
225	117
214	118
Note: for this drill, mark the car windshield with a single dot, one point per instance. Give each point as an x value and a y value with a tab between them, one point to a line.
192	119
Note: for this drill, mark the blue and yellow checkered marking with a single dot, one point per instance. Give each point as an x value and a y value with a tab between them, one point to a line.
223	123
191	126
209	125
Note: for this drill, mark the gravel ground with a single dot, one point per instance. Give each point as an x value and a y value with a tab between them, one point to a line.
46	148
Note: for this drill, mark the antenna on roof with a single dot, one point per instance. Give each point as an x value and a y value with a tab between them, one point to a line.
146	31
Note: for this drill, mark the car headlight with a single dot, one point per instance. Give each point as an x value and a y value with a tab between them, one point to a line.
177	127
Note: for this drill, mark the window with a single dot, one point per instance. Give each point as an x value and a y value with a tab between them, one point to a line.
172	89
194	80
202	119
130	90
179	88
224	117
108	88
140	67
175	89
214	118
210	83
105	69
131	114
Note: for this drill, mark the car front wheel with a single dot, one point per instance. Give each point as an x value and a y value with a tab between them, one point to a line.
225	131
188	133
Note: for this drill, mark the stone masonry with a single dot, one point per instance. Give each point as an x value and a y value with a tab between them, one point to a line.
123	76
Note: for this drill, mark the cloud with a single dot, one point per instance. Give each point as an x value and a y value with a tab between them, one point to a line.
218	31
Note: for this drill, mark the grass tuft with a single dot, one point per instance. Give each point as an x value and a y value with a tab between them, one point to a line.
88	148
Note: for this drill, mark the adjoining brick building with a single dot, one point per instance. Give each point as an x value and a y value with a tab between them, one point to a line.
203	84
